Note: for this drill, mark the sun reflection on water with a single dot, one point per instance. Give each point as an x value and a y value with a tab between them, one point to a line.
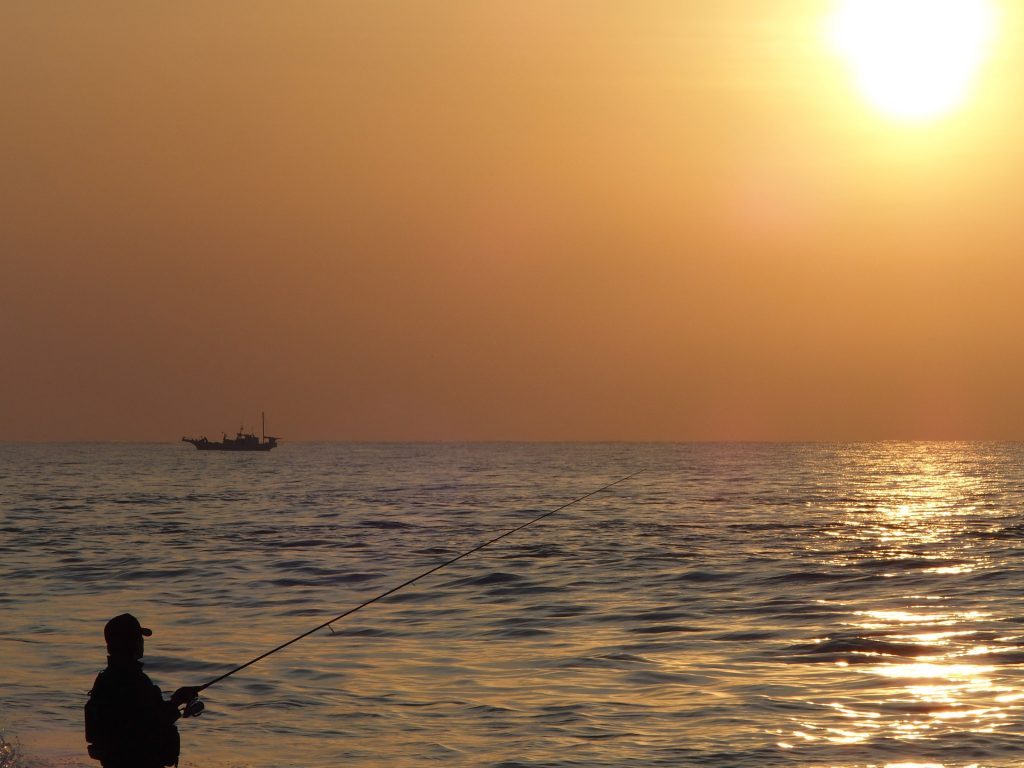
905	526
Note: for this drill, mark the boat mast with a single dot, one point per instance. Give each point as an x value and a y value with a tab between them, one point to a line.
263	417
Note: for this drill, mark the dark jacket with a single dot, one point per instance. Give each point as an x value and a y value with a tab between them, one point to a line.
129	723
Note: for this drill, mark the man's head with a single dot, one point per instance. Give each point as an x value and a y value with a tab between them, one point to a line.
124	636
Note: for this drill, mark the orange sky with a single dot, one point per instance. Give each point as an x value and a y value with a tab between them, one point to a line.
496	220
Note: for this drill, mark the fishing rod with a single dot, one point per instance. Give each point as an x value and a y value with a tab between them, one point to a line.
413	580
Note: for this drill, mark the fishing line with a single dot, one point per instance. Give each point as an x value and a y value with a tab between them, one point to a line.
413	580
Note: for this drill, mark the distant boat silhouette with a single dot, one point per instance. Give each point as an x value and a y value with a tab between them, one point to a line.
242	441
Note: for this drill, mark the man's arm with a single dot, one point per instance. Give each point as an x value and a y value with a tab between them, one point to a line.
184	695
163	711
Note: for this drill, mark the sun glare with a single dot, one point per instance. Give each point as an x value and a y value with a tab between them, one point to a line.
914	60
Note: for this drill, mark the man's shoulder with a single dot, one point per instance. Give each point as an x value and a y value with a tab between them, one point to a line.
127	691
121	677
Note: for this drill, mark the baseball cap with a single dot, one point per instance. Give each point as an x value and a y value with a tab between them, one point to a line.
124	630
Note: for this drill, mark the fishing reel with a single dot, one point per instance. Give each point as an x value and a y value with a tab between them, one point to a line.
193	708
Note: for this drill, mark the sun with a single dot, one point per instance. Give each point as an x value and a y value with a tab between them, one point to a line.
914	60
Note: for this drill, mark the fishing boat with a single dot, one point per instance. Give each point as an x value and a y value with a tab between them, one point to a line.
242	441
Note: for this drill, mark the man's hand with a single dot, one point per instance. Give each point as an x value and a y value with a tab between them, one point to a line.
184	695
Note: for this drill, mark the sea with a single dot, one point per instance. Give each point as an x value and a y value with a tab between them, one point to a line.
733	605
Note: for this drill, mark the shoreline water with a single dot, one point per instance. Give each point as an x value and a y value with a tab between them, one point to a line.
747	604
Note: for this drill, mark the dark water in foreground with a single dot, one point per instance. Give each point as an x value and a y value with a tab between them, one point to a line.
736	605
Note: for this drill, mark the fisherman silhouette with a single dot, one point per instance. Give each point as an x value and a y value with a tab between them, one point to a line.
128	723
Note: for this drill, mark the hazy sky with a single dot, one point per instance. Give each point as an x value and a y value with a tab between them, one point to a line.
539	219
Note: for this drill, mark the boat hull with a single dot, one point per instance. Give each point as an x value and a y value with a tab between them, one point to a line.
231	445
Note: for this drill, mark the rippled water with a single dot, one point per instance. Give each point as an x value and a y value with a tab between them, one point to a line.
735	605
